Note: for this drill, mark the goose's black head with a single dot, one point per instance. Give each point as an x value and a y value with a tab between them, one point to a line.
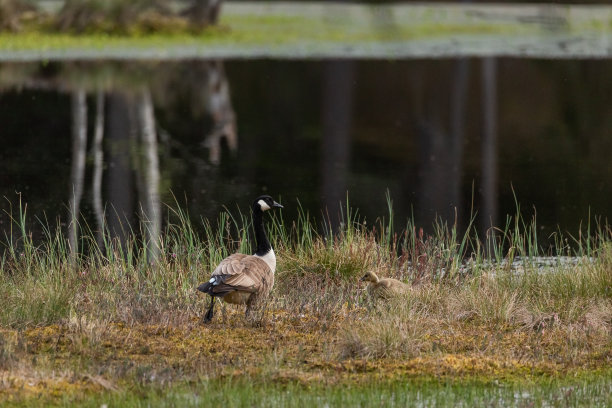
265	203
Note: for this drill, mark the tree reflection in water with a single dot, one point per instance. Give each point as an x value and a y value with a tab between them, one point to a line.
131	154
77	173
338	83
489	181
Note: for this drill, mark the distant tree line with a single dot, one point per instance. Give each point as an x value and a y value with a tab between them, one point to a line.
112	16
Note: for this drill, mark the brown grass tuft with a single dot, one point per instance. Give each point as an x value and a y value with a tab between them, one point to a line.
598	316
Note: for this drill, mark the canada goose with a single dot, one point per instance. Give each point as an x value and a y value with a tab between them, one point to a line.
245	279
384	288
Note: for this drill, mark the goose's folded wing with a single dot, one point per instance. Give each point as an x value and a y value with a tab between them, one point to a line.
232	265
254	273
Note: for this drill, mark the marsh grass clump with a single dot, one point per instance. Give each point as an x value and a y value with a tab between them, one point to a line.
339	256
482	299
30	301
393	329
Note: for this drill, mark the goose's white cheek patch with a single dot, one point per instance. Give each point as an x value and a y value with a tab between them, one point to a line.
263	205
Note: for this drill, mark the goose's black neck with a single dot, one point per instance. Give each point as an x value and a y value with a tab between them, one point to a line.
263	245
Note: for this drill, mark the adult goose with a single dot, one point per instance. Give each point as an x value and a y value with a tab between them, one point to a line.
245	279
384	288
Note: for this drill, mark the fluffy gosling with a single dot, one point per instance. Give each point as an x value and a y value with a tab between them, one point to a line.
384	288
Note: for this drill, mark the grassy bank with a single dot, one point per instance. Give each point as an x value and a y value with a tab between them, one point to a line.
109	324
316	30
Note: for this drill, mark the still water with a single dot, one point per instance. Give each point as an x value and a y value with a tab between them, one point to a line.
445	137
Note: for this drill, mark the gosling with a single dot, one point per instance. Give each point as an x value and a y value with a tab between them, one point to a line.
384	288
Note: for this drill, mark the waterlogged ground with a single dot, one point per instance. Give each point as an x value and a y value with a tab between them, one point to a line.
317	30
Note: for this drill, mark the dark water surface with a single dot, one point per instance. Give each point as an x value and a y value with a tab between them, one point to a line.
443	136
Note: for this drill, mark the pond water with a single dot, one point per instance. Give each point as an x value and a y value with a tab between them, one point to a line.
444	137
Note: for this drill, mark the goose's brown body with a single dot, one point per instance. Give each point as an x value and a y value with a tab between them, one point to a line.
244	279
